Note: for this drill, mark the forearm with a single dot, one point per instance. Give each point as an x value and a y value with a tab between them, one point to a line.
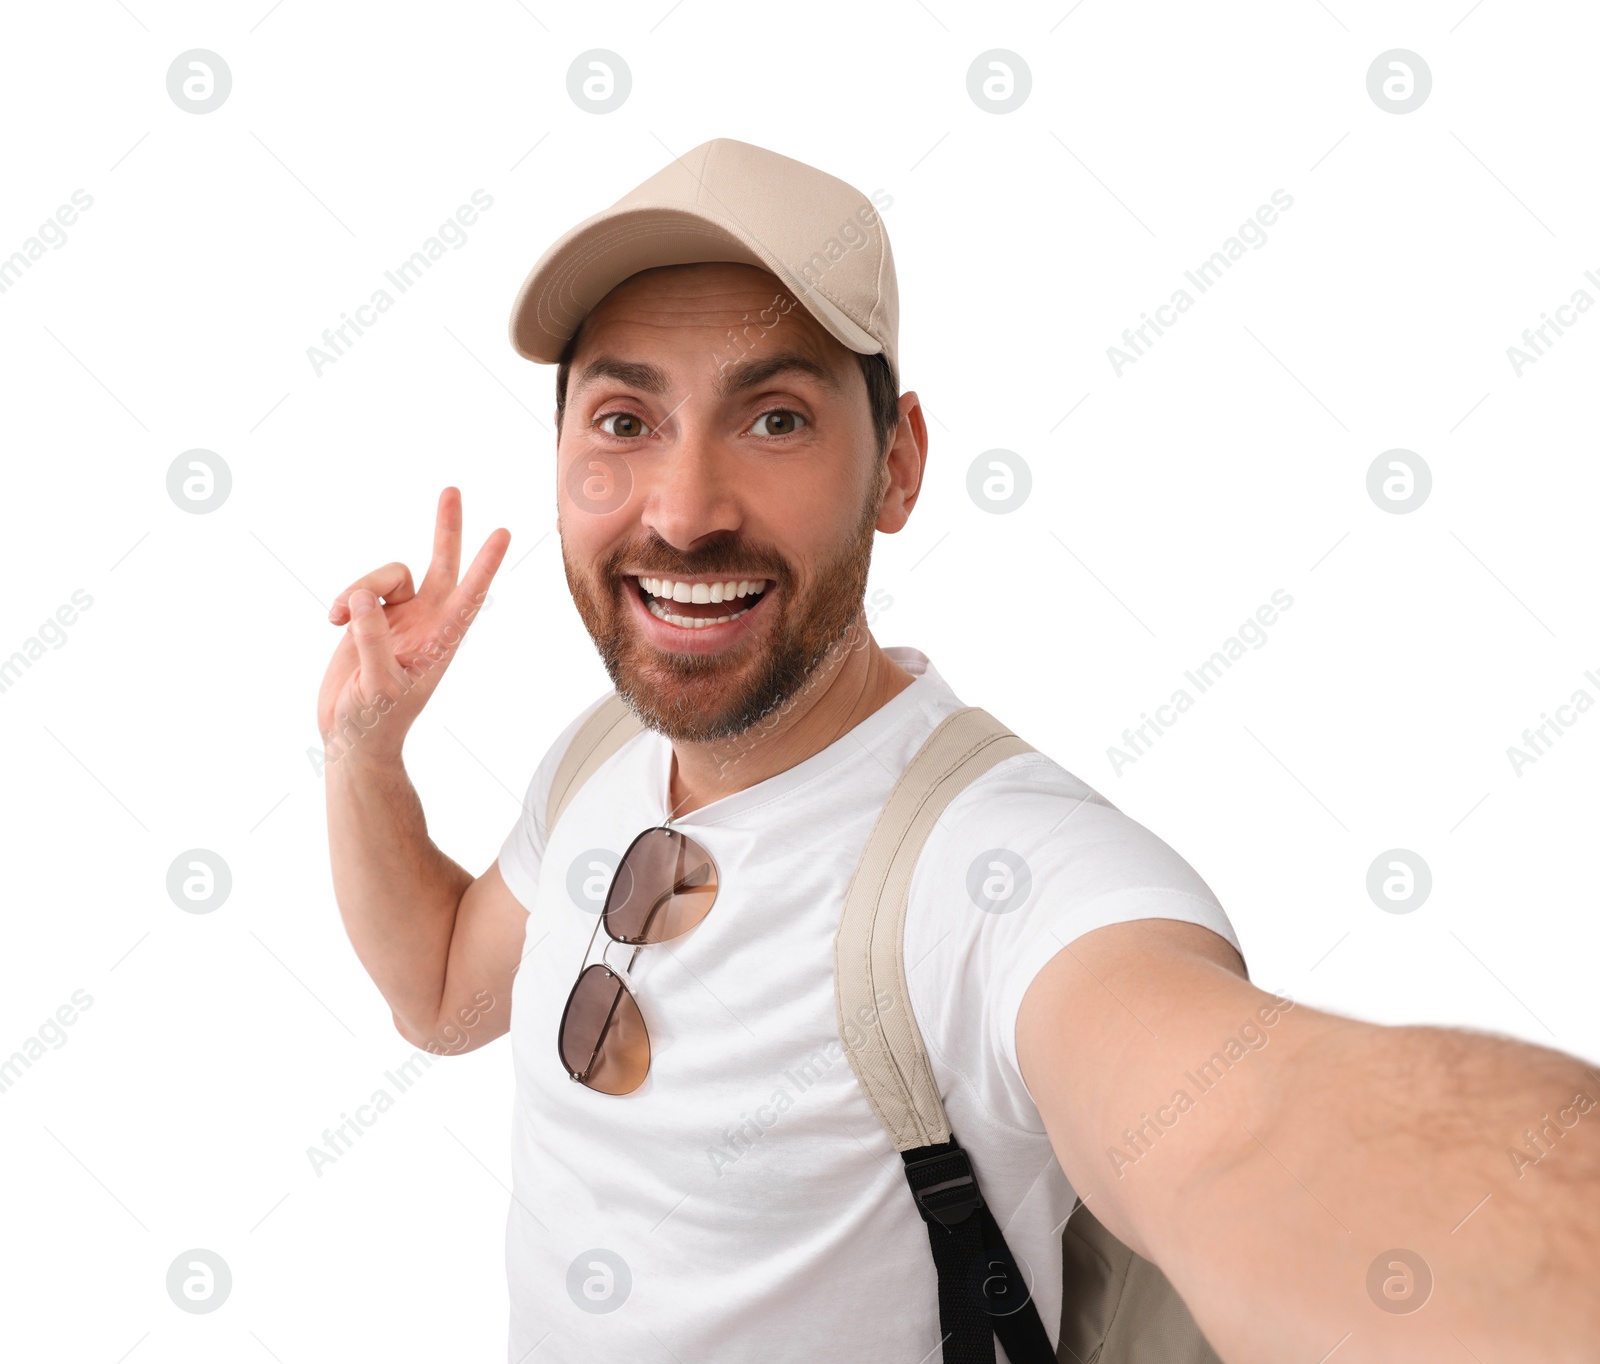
1355	1141
397	893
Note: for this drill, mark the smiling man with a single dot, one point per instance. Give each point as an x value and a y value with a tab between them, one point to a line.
701	1172
749	565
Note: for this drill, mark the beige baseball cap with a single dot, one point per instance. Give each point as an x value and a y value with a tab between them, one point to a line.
725	201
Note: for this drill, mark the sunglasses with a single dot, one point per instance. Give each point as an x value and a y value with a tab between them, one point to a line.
664	885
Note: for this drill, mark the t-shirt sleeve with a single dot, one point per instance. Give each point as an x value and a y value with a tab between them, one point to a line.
1033	859
523	850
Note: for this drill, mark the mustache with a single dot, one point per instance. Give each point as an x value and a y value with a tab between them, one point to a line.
725	566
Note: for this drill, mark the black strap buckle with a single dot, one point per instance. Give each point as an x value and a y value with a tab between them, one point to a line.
950	1200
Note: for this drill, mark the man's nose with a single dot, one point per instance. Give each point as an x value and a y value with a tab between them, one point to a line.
690	491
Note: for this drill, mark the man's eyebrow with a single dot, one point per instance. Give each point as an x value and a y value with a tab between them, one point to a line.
633	373
750	374
737	378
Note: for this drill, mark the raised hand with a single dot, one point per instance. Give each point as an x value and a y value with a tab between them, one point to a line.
394	653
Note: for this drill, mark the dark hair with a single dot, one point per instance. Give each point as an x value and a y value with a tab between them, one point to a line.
883	391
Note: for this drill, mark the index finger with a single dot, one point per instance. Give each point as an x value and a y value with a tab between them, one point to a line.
480	573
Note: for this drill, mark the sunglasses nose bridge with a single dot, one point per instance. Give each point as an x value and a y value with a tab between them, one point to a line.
621	972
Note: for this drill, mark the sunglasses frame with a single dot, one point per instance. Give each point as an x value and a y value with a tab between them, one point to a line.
638	944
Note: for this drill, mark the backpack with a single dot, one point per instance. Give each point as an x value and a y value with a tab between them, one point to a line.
1116	1306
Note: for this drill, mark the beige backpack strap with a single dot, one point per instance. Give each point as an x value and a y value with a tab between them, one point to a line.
1117	1307
601	735
888	1054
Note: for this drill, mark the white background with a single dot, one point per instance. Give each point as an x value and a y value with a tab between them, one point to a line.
1227	462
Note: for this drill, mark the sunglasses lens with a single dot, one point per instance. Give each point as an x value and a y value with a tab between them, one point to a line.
664	886
603	1040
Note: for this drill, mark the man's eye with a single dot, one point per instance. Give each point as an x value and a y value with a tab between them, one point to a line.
784	422
630	425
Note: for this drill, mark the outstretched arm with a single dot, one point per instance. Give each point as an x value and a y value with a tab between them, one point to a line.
1310	1183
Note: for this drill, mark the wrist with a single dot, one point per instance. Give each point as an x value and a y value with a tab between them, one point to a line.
364	760
368	740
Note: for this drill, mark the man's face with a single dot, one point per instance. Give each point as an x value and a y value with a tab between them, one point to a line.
685	455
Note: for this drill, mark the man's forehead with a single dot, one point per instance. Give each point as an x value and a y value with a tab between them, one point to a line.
719	294
762	331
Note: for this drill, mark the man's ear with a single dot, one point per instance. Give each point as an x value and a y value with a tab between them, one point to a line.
904	464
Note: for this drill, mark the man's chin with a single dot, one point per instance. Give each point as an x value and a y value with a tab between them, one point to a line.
687	698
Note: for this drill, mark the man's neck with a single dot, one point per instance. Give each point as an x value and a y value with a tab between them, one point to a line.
833	701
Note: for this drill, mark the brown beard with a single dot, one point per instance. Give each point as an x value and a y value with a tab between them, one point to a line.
684	697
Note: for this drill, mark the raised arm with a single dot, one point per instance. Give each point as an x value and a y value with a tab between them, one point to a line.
1310	1183
439	944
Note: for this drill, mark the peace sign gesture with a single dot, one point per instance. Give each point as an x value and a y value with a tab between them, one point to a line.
394	653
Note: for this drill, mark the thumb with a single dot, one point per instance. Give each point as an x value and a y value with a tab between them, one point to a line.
374	648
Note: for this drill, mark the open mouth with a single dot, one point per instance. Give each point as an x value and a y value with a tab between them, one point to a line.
694	606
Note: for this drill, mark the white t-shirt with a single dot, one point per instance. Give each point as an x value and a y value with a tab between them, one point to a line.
744	1203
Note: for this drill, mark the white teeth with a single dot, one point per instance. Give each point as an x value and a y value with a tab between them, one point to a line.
666	589
663	590
690	622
